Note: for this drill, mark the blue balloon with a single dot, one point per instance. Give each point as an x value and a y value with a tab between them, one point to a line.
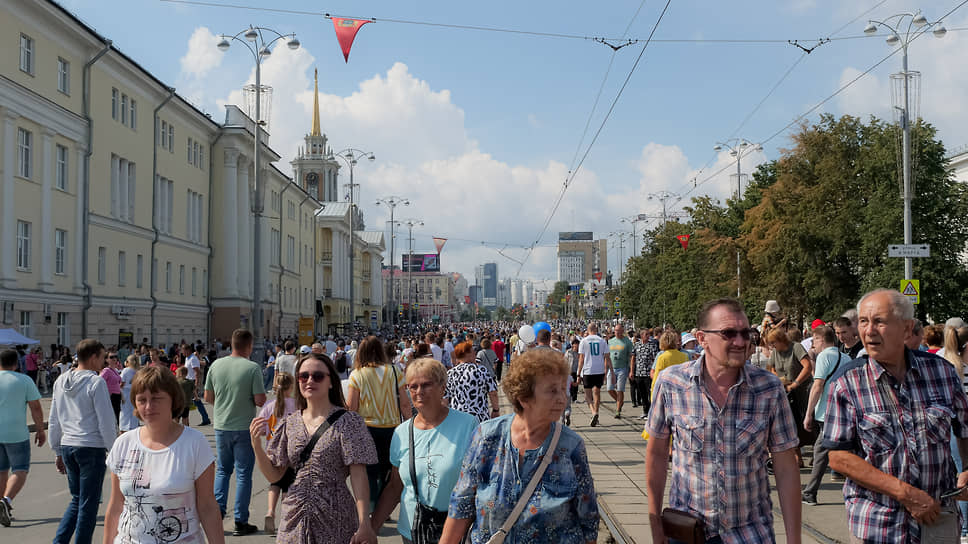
541	326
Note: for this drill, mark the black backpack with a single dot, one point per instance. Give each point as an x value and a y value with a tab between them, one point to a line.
340	362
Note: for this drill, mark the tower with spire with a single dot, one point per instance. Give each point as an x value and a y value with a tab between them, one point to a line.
314	168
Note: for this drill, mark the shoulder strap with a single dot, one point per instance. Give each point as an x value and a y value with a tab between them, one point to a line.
413	464
533	484
308	450
840	357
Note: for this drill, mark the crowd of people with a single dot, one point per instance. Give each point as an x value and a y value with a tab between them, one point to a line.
348	430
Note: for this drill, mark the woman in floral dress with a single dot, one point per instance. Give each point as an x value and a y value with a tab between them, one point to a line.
319	506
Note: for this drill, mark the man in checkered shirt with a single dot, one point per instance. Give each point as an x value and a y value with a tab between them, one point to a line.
723	416
888	425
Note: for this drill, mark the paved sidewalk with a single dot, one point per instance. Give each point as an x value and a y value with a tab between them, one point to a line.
616	453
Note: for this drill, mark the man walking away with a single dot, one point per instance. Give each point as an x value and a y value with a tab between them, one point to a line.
82	431
829	359
17	393
194	367
286	363
234	387
620	352
593	363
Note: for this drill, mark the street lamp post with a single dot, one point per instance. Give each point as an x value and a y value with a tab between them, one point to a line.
410	223
261	50
917	24
350	156
738	147
633	219
392	202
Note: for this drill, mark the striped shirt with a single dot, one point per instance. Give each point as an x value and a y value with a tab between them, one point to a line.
931	403
719	455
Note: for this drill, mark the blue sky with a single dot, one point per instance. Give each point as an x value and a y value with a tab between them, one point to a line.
479	128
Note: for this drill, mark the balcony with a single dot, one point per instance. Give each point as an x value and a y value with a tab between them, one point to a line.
327	293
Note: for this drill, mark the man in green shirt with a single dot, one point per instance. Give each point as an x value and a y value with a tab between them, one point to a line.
620	350
234	385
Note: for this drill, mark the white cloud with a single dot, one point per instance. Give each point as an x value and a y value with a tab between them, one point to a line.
202	55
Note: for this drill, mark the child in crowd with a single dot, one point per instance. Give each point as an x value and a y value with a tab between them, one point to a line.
188	388
275	411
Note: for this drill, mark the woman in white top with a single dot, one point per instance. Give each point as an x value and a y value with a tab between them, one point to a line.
163	474
128	420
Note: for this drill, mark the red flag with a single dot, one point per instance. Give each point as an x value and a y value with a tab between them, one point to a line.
598	276
467	299
684	240
439	243
346	30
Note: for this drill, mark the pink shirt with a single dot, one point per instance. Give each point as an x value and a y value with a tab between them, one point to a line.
113	380
31	361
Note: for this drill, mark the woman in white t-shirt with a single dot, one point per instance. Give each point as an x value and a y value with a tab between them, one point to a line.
162	474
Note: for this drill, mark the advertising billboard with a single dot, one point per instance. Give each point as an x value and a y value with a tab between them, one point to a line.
574	236
421	262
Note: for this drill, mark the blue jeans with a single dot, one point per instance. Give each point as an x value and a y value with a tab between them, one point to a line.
234	451
200	406
85	475
962	506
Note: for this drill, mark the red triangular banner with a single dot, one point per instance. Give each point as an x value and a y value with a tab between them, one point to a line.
598	276
439	244
346	30
684	240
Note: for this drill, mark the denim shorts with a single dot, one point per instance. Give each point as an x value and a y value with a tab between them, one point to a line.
617	379
15	456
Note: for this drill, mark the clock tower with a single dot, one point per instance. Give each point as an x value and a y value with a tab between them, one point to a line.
315	169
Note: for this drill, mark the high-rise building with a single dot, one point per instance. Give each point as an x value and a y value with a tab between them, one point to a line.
489	285
580	256
504	293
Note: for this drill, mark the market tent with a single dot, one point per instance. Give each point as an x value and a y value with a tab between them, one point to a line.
10	337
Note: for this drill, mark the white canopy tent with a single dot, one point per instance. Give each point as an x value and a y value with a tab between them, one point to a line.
10	337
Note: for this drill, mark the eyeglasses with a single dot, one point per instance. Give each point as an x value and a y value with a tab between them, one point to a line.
419	386
730	334
317	376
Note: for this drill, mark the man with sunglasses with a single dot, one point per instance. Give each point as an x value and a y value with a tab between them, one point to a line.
725	416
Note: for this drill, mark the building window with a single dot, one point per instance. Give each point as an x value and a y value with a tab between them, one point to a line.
275	245
102	264
194	281
291	210
194	217
290	251
124	109
27	54
189	151
171	138
201	157
115	98
164	135
195	154
63	329
24	153
154	275
168	277
181	279
165	197
123	188
139	270
122	264
25	324
61	171
134	115
60	251
205	282
23	245
63	76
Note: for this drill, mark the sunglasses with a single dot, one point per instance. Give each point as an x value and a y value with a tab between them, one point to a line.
317	376
730	334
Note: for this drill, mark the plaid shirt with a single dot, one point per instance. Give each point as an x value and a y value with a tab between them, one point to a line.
931	403
645	353
719	456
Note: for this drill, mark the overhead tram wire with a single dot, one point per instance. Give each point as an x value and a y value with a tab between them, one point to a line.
538	34
608	114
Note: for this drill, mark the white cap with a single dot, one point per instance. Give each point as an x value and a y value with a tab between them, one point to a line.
305	349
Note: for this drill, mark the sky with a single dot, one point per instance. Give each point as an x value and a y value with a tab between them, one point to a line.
480	130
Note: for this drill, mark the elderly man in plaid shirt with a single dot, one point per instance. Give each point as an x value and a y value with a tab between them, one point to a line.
723	416
888	426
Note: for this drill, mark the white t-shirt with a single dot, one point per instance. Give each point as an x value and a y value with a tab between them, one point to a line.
159	488
437	351
286	364
594	349
191	364
449	346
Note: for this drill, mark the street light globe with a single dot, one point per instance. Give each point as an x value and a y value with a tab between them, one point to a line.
919	20
223	44
894	39
871	28
940	31
293	43
265	52
372	157
251	34
717	147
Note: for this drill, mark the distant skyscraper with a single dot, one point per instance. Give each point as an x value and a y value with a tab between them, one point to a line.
489	285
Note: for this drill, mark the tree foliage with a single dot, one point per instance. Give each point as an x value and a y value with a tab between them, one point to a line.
812	230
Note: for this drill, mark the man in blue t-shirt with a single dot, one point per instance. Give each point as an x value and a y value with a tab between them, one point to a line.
17	393
829	360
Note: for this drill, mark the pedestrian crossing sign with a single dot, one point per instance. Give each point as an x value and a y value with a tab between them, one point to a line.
912	290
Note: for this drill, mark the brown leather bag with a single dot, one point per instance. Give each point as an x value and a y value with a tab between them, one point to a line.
683	526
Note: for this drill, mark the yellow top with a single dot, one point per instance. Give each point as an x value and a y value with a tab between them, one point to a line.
316	131
671	357
378	389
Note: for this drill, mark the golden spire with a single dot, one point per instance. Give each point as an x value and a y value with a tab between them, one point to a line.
316	131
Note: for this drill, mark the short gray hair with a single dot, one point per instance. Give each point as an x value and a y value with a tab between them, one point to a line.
901	306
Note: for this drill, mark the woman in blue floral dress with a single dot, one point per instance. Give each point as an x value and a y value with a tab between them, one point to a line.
505	453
